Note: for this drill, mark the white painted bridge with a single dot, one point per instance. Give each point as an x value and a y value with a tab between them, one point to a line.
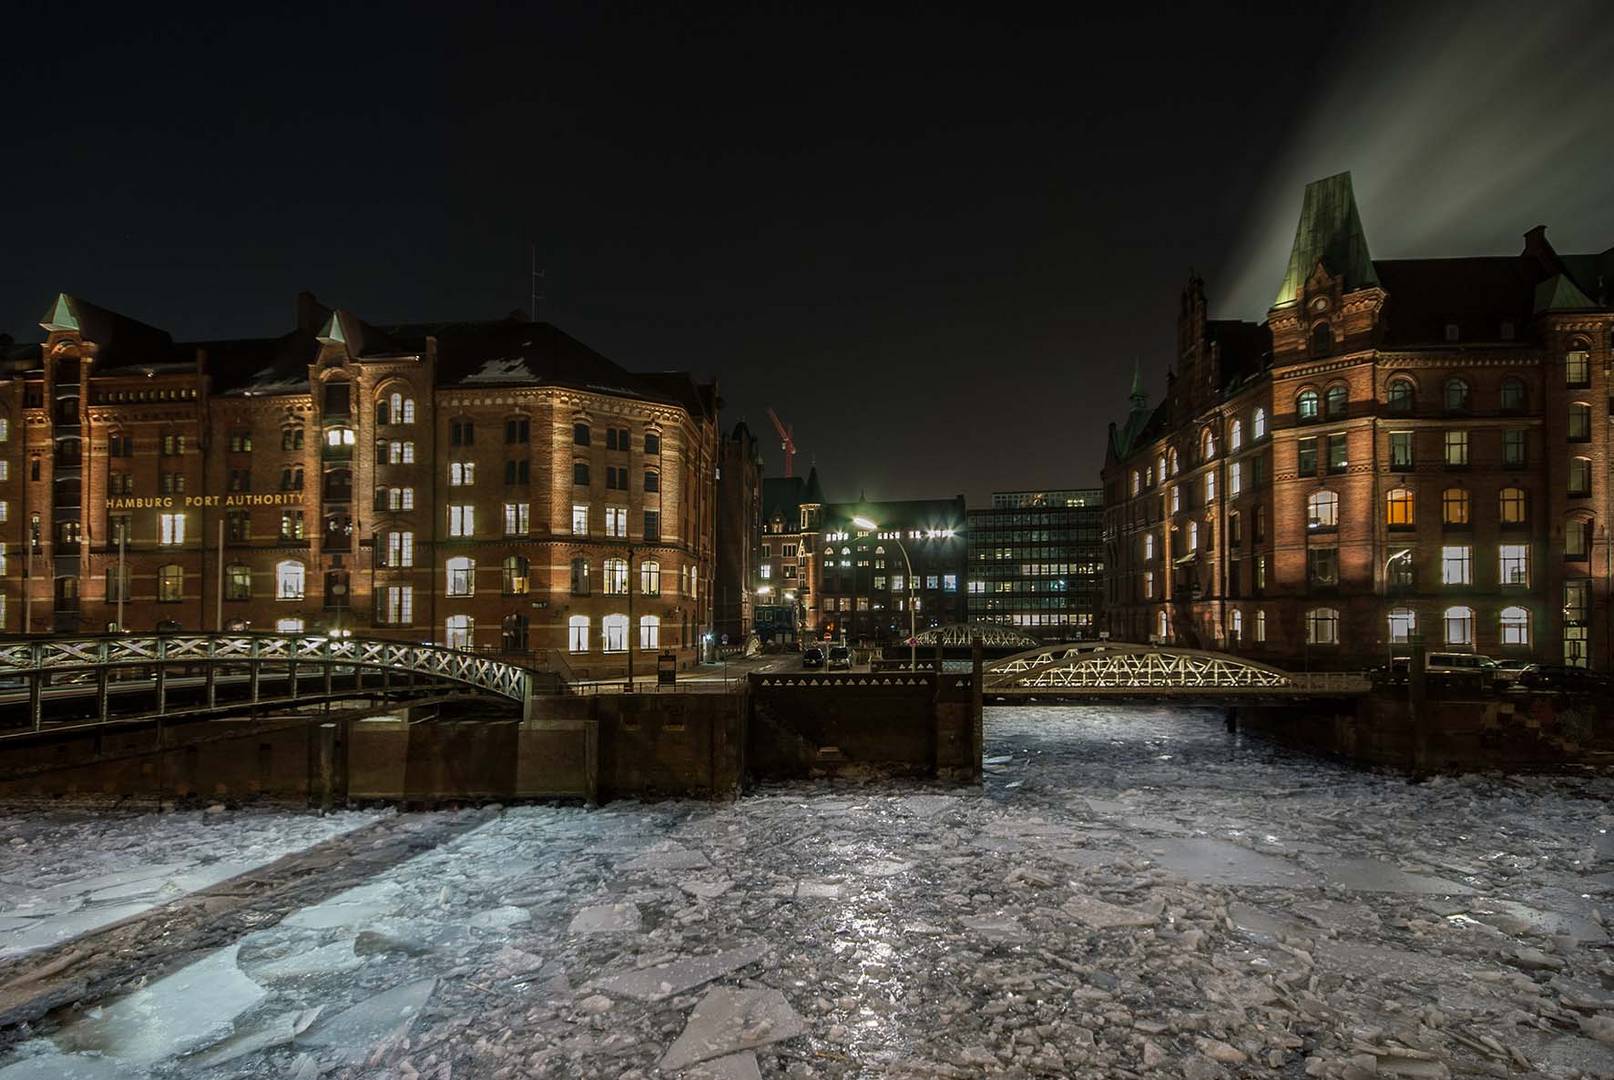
1123	669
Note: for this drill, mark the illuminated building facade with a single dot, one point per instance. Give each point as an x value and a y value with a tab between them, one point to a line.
739	536
495	486
787	587
863	580
1036	562
1406	446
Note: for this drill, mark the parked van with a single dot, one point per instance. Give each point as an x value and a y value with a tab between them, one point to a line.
1437	663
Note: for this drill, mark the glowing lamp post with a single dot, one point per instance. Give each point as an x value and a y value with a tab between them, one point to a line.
913	633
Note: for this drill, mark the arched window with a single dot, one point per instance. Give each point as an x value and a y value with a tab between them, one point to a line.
1403	621
1454	506
1322	626
171	583
1137	481
1515	624
650	577
1336	401
1322	510
614	633
616	577
238	582
1207	444
461	576
513	633
1306	404
1160	467
1511	506
1401	397
515	575
577	633
1513	396
1171	460
1459	626
1456	395
460	632
1260	626
289	578
1322	339
1580	422
1399	509
649	632
1235	626
1235	435
1578	365
1580	476
1160	626
1193	536
1258	424
1148	546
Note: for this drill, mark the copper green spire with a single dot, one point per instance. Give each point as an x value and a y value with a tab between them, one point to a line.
1139	396
1329	232
61	315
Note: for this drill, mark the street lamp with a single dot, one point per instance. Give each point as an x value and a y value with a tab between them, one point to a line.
913	632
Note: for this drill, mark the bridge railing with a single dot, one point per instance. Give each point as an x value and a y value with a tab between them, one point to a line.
1118	667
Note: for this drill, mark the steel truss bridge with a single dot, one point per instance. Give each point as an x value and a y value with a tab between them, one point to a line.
1113	669
152	669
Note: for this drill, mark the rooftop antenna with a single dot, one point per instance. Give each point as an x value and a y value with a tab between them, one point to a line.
537	276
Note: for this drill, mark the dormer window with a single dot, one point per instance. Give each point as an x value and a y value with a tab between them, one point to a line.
1452	332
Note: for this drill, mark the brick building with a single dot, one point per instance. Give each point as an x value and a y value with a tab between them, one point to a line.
787	573
490	485
1036	562
739	535
1402	446
863	580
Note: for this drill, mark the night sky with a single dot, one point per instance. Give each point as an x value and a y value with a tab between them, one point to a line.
934	240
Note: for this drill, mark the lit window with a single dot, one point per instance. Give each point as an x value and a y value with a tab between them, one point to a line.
1514	564
577	634
1235	626
1171	460
650	577
398	604
289	577
1137	481
237	583
1580	476
616	521
580	519
1306	405
1210	488
1260	626
615	577
462	520
1207	444
1456	395
1400	451
1459	626
1515	626
1193	536
514	575
460	632
1235	478
1401	396
1511	506
649	632
1580	422
1577	538
1322	510
1457	448
1577	367
171	583
461	473
1148	584
515	519
461	576
1336	401
1454	506
1513	453
1258	424
614	633
1403	621
5	429
289	626
1399	508
1322	626
1235	436
1176	499
170	528
1456	565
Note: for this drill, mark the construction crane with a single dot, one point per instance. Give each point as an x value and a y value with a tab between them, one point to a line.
786	442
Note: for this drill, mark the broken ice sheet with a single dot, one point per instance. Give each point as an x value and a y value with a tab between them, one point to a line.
333	959
357	1029
1218	862
668	857
606	919
742	1066
728	1020
194	1007
655	983
995	927
1103	916
1373	875
500	918
706	890
54	1066
355	907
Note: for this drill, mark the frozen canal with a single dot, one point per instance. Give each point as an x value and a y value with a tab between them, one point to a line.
1133	893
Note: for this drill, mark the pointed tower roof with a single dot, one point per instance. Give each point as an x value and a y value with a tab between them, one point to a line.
814	493
1559	293
1329	232
1139	397
61	315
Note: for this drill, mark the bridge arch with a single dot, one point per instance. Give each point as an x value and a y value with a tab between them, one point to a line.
1124	667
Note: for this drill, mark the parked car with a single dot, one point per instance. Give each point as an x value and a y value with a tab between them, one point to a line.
1449	663
812	657
1572	680
840	657
1507	672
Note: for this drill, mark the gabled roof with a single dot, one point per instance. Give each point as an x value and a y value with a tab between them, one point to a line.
1329	232
782	496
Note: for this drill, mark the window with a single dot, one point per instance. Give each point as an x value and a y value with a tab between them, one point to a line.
1207	444
1578	367
1399	509
170	528
614	633
289	577
577	634
1456	565
1454	506
171	483
461	520
1580	476
579	434
515	575
1456	395
898	583
616	478
171	584
237	582
1322	566
1459	626
616	521
1577	538
1306	456
650	577
580	473
1176	498
1235	529
1260	524
1336	401
1403	621
1337	462
1210	488
1148	584
1306	406
517	430
117	584
1322	626
461	576
1171	460
516	519
1193	536
291	438
240	442
339	437
1235	625
649	632
398	604
652	443
580	579
1322	339
1400	451
5	429
459	632
1401	397
1235	478
1577	600
1513	398
172	444
1148	545
461	432
615	577
518	472
1515	564
1322	510
1515	625
1137	481
1580	422
118	483
616	439
461	473
1511	506
652	480
580	519
1159	468
1456	449
1260	626
400	549
1513	448
291	525
652	524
